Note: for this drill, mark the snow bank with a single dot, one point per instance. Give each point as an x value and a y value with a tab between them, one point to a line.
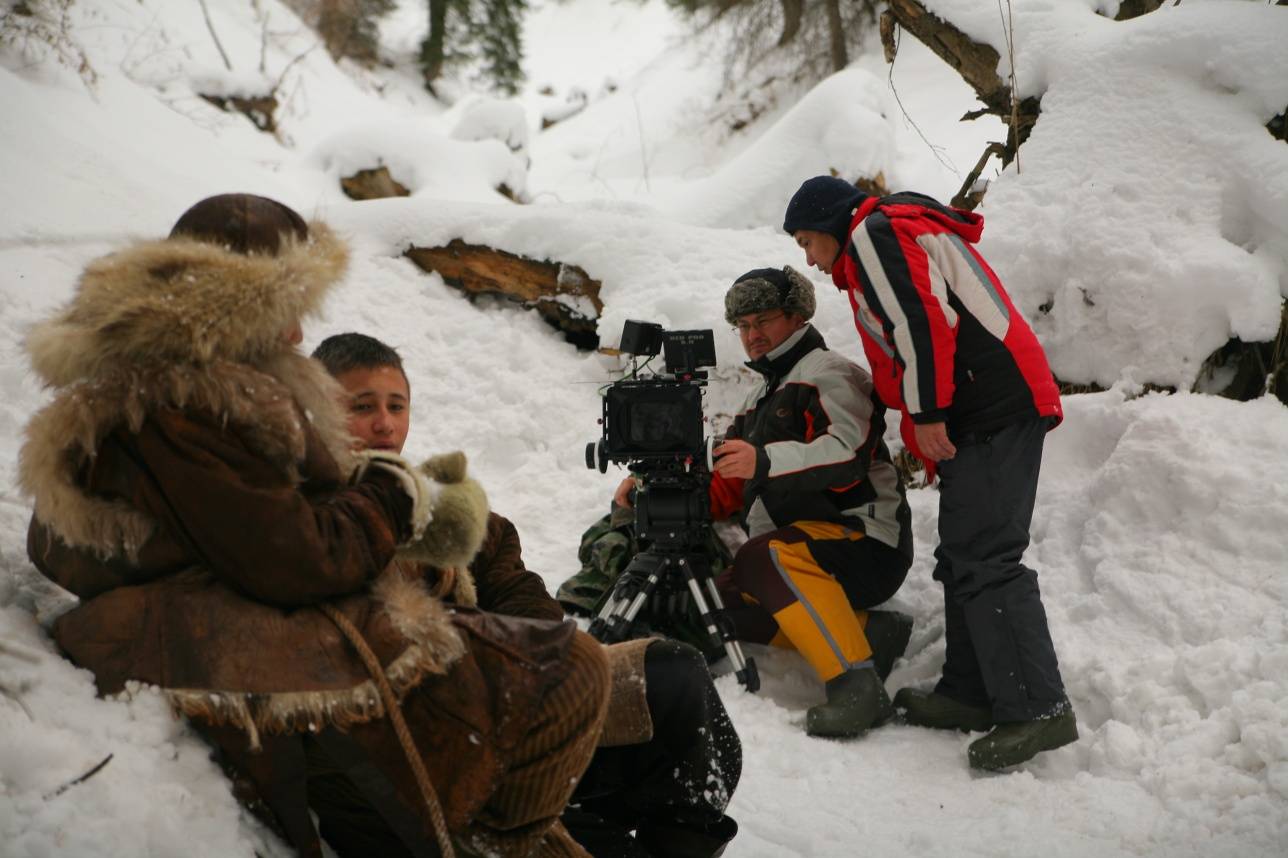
159	794
654	269
484	118
1150	213
423	160
1158	533
843	126
1161	535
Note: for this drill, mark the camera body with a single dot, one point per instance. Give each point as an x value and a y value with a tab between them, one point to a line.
654	425
649	419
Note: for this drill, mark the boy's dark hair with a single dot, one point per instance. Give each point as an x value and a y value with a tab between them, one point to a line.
340	353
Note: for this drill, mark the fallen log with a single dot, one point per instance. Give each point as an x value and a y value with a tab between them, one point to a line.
259	109
374	184
565	295
1135	8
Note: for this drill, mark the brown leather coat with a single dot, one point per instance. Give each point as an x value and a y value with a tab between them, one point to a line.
191	486
498	581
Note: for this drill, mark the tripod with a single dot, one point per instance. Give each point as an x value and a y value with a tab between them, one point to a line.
674	569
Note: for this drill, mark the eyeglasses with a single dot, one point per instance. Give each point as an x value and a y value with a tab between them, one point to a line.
759	325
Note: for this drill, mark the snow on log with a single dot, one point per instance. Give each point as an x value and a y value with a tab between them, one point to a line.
975	62
564	295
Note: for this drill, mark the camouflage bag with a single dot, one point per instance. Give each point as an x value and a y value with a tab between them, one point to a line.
607	548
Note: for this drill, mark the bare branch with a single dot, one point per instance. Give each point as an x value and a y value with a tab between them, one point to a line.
890	39
80	780
967	198
205	13
1008	28
263	47
281	77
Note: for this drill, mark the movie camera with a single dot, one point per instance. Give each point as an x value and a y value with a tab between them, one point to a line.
654	425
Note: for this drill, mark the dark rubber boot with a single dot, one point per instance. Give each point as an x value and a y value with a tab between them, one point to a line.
888	633
1018	742
856	702
928	709
685	840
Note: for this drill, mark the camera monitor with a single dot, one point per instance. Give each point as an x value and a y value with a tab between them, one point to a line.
687	350
641	338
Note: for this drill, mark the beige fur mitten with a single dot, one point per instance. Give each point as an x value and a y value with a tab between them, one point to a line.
417	485
458	523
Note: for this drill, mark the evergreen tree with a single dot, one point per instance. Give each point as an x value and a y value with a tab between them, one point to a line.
487	34
798	28
500	41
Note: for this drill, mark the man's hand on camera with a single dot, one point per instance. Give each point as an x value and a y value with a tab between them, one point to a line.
622	497
735	459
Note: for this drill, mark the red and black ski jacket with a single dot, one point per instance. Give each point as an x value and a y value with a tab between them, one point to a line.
943	339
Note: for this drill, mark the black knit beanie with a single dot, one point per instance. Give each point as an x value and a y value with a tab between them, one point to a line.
766	289
824	204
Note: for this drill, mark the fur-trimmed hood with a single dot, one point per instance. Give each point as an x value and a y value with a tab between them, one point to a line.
177	324
187	302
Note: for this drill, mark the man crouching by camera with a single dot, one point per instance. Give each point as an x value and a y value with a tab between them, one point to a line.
668	758
828	522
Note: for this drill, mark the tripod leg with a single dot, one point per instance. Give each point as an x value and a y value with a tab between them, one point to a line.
633	589
719	627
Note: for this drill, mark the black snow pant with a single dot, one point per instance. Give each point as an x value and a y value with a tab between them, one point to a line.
679	780
999	650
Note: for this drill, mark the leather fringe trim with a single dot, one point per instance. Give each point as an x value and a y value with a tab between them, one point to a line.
434	645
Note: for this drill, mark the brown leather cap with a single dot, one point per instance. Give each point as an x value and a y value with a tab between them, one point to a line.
243	223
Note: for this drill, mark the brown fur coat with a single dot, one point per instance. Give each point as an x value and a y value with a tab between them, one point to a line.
191	480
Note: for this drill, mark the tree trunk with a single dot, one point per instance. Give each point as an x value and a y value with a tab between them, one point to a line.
431	50
836	31
335	25
792	11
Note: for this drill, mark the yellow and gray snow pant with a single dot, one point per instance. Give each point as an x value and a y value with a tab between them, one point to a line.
807	586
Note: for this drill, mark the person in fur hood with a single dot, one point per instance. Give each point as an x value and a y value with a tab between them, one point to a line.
195	486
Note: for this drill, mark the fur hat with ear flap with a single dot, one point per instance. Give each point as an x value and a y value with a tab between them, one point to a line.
765	289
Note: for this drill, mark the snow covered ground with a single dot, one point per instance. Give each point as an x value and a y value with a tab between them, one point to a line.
1153	217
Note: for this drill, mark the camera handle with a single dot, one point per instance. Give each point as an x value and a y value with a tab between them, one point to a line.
636	587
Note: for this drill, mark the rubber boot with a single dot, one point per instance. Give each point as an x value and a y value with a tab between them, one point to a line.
686	840
1018	742
888	633
929	709
856	702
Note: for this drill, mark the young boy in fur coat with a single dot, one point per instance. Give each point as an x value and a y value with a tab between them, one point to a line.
195	487
668	759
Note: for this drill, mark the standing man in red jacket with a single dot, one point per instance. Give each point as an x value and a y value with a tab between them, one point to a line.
949	349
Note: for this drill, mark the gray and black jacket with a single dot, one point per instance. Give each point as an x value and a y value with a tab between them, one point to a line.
820	455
